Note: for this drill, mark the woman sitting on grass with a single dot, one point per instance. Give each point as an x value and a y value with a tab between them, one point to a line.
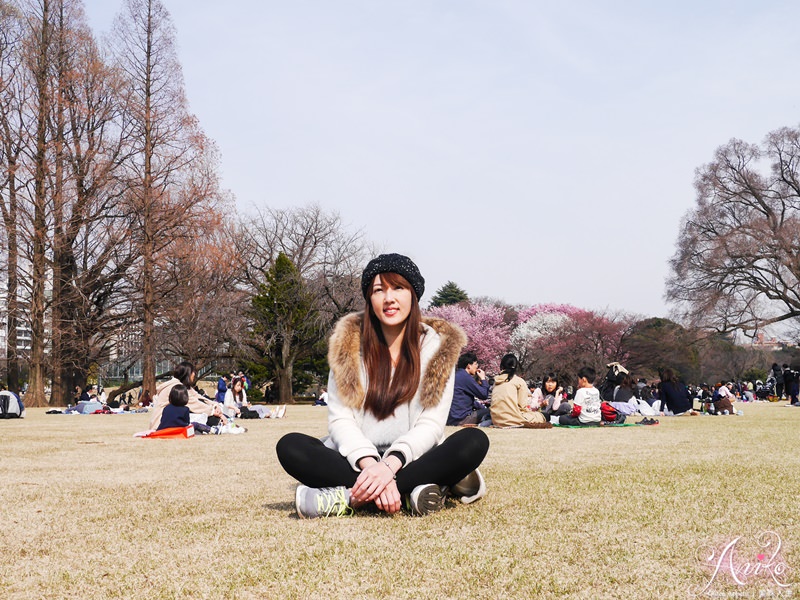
550	398
675	398
185	374
625	390
510	397
237	405
724	399
389	394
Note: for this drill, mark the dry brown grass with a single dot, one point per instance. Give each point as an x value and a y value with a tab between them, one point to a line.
88	511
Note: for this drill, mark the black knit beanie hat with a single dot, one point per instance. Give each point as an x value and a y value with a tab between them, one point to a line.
393	263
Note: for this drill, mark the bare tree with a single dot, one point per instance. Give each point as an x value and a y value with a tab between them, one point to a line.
327	254
208	321
737	262
326	260
39	58
14	91
170	183
90	256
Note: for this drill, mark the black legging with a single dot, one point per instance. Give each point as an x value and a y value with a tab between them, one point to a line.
313	464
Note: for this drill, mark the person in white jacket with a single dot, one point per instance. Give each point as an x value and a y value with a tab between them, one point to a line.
389	392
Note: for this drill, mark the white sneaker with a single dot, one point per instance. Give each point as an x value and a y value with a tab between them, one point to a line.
425	499
471	488
312	503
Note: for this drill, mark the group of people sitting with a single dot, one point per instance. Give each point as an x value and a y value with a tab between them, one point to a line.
508	401
178	402
232	394
92	399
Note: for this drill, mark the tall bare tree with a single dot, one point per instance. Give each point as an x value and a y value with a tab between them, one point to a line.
737	261
168	148
92	253
39	58
209	322
14	91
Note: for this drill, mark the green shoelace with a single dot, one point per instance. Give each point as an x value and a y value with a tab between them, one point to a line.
333	503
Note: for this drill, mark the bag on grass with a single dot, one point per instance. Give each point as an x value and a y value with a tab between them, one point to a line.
609	414
246	413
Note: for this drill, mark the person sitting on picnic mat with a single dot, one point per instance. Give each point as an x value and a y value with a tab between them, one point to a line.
185	374
586	404
510	397
724	399
389	394
470	392
176	413
675	397
549	399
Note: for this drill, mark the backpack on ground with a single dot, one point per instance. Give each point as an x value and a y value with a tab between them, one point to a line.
11	406
247	413
609	414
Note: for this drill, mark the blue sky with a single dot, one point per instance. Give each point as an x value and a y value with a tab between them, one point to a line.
530	151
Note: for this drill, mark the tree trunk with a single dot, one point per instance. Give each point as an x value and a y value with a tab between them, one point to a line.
57	313
148	272
148	341
285	371
35	395
284	377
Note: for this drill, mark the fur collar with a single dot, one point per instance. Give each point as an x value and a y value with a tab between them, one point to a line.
344	359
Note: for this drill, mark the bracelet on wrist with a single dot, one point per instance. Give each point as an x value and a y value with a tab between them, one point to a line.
388	466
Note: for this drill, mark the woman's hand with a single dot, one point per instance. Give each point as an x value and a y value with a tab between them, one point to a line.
372	481
389	501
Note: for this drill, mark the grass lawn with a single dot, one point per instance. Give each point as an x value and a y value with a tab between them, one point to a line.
88	511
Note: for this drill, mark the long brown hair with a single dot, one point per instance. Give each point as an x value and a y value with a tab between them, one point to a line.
238	397
384	392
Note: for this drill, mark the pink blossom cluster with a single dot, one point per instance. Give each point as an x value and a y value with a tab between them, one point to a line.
553	336
483	323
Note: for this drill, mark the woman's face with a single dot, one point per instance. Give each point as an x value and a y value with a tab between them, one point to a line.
391	304
237	386
550	386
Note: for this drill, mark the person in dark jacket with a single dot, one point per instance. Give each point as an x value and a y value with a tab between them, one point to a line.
467	408
176	413
777	373
222	388
674	394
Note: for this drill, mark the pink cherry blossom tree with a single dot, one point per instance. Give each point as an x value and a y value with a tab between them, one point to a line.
486	330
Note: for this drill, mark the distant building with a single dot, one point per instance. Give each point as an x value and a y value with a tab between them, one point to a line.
24	334
761	342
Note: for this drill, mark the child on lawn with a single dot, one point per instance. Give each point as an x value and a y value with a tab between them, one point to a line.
176	413
586	405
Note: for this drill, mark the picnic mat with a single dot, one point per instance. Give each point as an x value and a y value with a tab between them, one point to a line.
598	426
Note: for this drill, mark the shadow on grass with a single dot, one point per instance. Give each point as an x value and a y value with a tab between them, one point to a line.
280	506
